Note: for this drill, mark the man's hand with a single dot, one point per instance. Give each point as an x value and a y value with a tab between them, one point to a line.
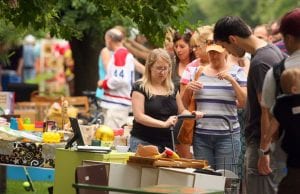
264	165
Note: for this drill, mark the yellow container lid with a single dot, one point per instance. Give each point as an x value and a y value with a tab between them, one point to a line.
29	127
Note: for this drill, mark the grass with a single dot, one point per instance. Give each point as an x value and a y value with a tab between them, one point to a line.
16	187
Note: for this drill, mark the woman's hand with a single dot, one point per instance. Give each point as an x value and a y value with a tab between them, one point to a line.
198	114
194	85
225	75
170	122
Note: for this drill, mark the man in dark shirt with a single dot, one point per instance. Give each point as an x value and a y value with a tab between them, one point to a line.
235	35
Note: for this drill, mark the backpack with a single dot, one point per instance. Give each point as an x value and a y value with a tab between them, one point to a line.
277	71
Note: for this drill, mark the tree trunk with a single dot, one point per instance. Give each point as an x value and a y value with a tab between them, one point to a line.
85	53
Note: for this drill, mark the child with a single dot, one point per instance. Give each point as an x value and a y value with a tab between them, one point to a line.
290	81
286	112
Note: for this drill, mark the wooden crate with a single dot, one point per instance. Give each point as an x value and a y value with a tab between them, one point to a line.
80	102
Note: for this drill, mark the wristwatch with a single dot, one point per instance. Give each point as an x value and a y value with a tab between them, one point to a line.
262	152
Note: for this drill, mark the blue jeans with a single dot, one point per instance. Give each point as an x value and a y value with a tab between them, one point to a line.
134	142
28	74
218	150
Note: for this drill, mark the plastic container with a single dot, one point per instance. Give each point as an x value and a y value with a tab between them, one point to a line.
29	127
96	142
119	132
107	143
122	148
14	124
39	126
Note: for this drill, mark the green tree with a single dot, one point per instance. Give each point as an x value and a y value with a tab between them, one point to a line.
83	23
252	11
214	9
271	10
195	15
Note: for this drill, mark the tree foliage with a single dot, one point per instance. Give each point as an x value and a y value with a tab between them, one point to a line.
74	18
270	10
252	11
83	23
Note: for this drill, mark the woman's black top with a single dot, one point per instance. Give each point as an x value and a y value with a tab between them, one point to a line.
160	107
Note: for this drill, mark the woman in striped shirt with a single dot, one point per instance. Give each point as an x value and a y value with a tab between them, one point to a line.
217	91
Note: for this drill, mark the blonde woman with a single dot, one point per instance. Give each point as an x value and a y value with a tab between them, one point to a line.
199	41
201	38
155	103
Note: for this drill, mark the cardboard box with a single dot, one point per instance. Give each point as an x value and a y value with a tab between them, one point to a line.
135	176
127	176
187	177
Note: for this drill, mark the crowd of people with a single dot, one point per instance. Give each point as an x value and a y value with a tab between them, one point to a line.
237	73
249	75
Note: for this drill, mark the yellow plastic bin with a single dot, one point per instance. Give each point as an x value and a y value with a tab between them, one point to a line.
117	157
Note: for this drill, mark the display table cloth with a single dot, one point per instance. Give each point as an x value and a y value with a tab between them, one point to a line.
28	154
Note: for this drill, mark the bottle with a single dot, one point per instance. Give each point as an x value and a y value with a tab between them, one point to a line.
14	123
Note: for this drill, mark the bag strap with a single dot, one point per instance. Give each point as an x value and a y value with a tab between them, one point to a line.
198	73
277	71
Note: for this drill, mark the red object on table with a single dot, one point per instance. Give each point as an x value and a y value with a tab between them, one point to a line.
119	132
39	124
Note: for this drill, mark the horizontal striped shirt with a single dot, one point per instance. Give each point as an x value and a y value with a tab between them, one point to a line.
218	97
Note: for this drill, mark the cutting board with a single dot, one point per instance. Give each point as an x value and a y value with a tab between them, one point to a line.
167	162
